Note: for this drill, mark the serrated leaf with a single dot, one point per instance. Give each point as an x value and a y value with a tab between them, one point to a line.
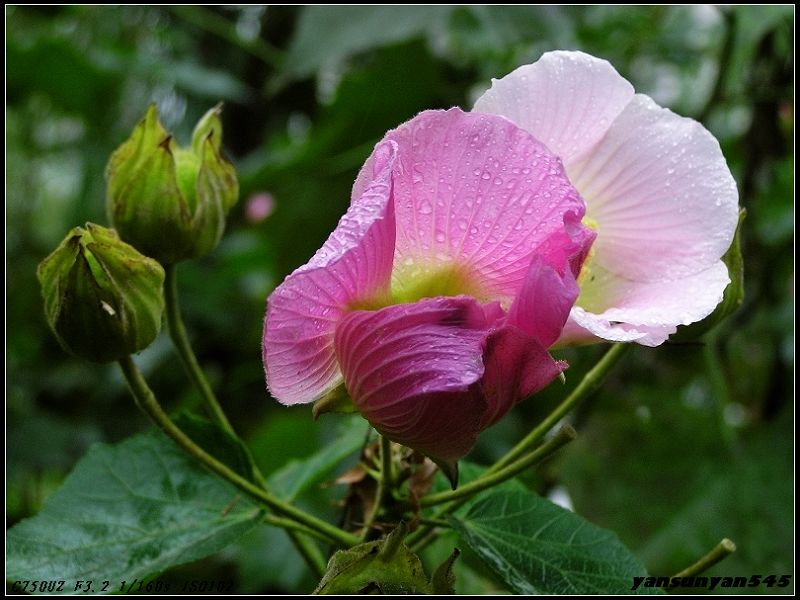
129	511
537	547
297	476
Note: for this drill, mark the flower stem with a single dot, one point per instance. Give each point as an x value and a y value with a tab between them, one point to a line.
384	486
720	551
146	400
177	332
294	526
180	339
308	550
588	385
564	436
425	534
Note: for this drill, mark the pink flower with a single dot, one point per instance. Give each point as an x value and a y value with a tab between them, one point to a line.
657	188
436	297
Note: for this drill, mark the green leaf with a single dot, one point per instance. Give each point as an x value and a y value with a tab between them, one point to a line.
297	476
537	547
218	443
129	511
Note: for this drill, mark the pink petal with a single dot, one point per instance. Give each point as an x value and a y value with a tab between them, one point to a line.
433	374
516	366
661	192
565	99
623	310
542	306
412	371
477	192
354	264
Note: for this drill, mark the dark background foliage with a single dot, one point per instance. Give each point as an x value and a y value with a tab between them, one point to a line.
687	443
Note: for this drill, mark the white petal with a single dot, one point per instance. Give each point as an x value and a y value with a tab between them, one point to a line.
618	309
567	100
661	192
586	328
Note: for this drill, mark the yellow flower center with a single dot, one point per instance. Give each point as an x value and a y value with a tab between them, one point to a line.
420	278
585	276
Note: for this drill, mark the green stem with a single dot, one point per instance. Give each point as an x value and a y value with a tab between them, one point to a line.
425	534
294	526
564	436
435	522
384	486
588	385
309	551
177	332
720	551
146	400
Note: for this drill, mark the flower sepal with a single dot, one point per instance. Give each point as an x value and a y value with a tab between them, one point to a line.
171	202
336	400
385	566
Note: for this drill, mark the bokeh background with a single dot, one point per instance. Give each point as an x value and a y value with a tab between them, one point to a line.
686	444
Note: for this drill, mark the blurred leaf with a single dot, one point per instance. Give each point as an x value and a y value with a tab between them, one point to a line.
211	84
331	34
43	440
774	221
753	22
128	511
52	64
537	547
266	562
749	499
298	476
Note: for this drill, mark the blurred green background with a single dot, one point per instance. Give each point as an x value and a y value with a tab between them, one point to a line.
686	444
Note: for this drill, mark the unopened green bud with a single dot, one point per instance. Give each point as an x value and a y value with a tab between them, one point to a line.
171	202
103	299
